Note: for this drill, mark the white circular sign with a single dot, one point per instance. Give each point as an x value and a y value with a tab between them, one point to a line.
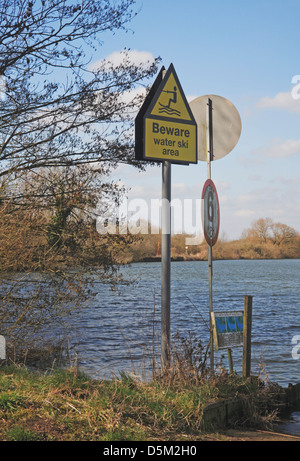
227	125
210	212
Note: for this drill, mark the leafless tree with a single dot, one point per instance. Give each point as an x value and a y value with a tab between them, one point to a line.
59	112
56	108
262	228
282	233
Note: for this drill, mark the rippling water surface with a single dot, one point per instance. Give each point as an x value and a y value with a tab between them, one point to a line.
116	332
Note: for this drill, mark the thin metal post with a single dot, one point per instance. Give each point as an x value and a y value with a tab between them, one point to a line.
165	263
209	137
209	142
210	276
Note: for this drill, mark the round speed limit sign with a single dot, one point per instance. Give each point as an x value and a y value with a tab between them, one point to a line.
210	212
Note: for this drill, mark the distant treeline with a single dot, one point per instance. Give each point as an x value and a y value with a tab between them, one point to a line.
265	239
34	239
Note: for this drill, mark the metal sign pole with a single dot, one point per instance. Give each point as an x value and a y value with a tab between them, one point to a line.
165	263
166	121
209	140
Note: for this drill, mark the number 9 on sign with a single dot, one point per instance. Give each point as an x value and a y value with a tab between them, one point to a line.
210	212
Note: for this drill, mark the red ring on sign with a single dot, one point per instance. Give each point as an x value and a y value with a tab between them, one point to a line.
210	241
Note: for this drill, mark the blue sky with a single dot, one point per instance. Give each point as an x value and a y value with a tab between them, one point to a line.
247	52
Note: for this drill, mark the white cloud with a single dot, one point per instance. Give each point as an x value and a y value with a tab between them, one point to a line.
141	59
244	213
191	97
279	149
138	58
246	198
282	100
128	96
223	199
179	187
255	177
222	184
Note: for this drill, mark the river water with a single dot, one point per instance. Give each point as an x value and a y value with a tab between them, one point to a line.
117	330
120	331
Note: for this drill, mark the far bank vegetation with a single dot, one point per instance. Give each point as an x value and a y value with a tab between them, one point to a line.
25	243
265	239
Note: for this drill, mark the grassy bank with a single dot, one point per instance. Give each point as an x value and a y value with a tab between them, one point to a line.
67	405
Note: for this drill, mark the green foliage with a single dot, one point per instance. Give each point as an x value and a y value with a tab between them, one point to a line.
67	405
20	434
10	402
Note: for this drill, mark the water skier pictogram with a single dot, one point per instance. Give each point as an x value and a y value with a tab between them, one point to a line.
166	108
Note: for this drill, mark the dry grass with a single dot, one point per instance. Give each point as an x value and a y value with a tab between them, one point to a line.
67	405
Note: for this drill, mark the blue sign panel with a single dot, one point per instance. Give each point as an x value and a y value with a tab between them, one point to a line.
227	329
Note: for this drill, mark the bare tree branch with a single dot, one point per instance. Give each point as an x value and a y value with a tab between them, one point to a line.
56	109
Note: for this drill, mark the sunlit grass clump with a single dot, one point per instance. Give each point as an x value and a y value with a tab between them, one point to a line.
68	405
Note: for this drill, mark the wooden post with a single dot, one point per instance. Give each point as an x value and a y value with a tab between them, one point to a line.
2	348
247	336
230	362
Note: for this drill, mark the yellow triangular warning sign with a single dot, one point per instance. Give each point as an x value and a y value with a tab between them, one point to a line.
170	102
165	125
